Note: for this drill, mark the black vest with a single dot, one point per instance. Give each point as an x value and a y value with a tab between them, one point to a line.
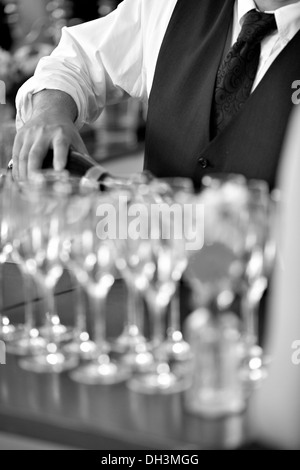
178	127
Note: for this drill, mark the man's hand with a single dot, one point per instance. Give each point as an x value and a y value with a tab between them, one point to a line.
51	126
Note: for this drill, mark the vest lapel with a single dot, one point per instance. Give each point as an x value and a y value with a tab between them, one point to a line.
181	96
252	142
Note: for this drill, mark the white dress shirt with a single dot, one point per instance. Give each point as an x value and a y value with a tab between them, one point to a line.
102	61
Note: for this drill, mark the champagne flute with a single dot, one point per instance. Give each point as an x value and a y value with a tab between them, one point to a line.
92	256
38	242
162	276
8	215
7	330
51	184
131	252
31	342
216	269
255	279
237	219
177	191
80	199
133	263
25	339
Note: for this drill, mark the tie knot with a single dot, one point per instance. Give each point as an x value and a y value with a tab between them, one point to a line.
257	26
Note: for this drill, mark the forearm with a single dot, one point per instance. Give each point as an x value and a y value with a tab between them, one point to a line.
53	102
97	63
50	126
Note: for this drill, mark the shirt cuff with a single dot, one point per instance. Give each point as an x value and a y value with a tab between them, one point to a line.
25	94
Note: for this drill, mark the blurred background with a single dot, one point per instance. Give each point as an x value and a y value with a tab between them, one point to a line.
29	30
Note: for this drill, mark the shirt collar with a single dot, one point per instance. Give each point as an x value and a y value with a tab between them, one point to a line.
287	17
288	21
243	6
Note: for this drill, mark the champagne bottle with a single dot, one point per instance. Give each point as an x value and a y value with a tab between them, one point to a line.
78	164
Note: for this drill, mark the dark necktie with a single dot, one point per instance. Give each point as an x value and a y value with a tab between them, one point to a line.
238	70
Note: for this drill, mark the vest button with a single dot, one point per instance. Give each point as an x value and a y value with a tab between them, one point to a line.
203	162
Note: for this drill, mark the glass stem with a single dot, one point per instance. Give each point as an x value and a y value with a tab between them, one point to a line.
250	311
134	310
97	320
79	309
175	314
158	316
28	284
51	313
79	306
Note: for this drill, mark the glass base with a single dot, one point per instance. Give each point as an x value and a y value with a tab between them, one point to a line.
85	350
57	333
154	383
9	333
254	367
252	379
97	373
215	404
176	349
49	363
139	358
26	346
128	340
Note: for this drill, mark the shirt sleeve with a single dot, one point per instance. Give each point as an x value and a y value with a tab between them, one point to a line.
96	63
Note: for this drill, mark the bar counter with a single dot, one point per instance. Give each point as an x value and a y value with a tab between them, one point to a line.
54	409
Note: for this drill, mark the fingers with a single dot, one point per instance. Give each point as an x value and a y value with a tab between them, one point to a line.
61	145
21	151
28	153
36	155
23	160
33	142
